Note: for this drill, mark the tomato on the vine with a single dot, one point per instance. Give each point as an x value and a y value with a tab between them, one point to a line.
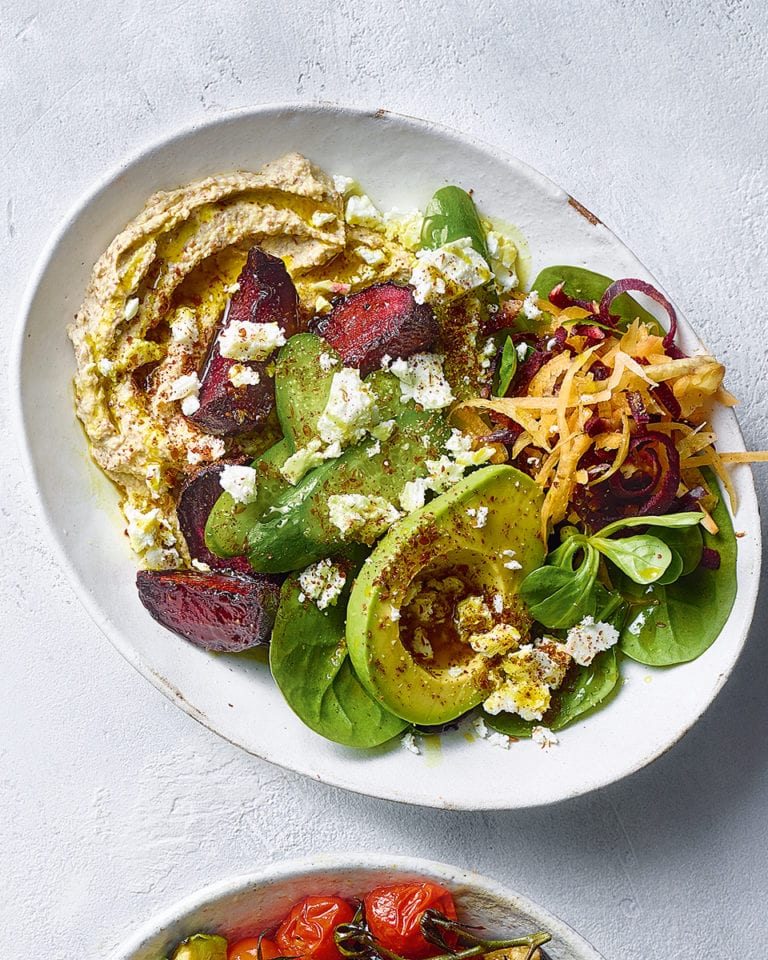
248	949
308	929
394	914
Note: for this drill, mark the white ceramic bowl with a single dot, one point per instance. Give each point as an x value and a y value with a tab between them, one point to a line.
246	905
400	162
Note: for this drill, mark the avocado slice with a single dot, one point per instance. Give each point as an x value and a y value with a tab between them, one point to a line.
448	550
302	386
229	522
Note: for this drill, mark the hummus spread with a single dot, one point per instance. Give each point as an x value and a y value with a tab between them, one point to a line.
153	307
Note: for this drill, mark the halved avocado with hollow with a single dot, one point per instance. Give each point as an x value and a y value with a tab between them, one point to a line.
478	540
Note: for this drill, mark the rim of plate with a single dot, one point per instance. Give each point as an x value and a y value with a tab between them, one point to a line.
748	591
338	863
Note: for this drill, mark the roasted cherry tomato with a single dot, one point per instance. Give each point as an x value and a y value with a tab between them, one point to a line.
308	929
394	913
248	949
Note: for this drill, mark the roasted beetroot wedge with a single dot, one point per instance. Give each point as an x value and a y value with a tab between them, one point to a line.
266	295
216	611
195	501
381	320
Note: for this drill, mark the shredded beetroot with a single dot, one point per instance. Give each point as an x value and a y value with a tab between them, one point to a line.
562	301
663	393
623	286
650	490
637	407
710	559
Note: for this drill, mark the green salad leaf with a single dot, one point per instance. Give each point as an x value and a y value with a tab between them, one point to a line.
583	284
309	661
676	622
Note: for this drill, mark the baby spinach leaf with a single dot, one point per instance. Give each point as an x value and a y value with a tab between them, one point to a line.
643	558
677	622
586	689
584	284
510	724
674	570
506	370
308	658
686	542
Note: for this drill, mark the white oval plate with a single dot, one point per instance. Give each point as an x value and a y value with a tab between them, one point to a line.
400	162
240	906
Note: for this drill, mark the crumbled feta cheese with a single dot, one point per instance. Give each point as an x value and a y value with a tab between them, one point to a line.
530	308
307	458
241	376
460	444
250	341
186	389
327	362
522	351
369	255
501	638
190	406
357	513
184	329
216	448
232	288
637	624
503	254
493	737
374	448
511	564
323	582
344	185
408	742
413	494
443	473
131	308
361	212
105	367
383	430
322	305
584	641
543	737
350	409
239	482
498	603
143	527
448	272
404	227
320	218
394	614
421	379
526	678
200	566
482	518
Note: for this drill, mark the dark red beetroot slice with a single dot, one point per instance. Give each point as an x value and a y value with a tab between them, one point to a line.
198	495
266	295
378	321
213	610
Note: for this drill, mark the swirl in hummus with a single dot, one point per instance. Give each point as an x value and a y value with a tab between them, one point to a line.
154	304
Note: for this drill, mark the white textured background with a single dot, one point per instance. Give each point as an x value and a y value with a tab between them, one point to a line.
655	115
